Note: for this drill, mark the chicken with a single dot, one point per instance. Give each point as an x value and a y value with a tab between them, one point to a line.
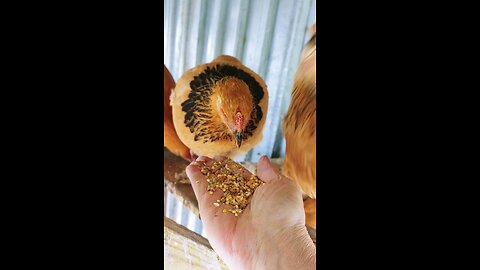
299	128
310	206
170	137
219	108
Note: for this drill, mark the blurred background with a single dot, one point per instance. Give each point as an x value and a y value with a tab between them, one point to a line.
267	36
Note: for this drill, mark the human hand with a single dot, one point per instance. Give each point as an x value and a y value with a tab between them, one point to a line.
269	234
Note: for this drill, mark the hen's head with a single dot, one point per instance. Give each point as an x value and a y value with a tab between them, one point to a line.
234	104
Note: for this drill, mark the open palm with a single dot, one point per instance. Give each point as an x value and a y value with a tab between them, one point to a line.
275	209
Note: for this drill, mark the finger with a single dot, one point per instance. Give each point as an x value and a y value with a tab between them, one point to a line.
199	185
210	208
266	171
196	179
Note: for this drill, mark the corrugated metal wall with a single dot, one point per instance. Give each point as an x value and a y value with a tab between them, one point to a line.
266	35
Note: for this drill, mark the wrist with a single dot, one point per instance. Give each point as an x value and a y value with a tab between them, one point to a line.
288	248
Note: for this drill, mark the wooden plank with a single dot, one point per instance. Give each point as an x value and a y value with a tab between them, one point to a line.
182	230
184	249
177	181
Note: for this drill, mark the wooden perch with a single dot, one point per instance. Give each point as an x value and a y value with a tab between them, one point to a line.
185	249
177	182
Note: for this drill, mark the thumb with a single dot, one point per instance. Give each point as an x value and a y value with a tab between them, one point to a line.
266	171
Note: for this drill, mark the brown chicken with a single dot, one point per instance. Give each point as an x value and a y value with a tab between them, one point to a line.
170	137
219	108
299	128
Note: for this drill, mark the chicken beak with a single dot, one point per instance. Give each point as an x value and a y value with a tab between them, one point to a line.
238	138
